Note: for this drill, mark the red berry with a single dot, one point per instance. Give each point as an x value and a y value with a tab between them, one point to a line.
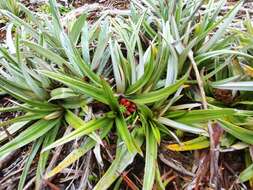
123	101
133	106
127	103
131	110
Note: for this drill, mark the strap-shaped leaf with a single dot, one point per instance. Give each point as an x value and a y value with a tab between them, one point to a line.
88	144
11	59
182	126
77	84
120	74
85	43
243	86
30	134
12	129
143	80
31	156
241	133
40	93
150	160
86	129
102	43
157	95
55	14
20	22
196	116
45	52
222	29
156	132
10	109
62	93
76	62
76	122
49	137
194	144
212	54
123	159
26	117
77	29
246	174
111	99
25	95
125	134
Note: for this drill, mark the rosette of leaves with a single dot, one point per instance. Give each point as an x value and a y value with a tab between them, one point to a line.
45	105
137	69
222	53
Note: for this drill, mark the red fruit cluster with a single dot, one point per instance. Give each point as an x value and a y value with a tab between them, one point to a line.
130	106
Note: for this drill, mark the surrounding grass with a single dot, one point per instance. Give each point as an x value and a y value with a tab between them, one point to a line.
168	70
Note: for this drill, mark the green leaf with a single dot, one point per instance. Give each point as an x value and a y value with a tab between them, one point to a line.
20	22
242	86
246	174
76	62
143	80
86	129
196	116
10	109
212	54
62	93
76	122
202	35
182	126
119	75
157	95
53	115
73	120
55	14
85	43
79	85
101	45
76	29
222	29
78	153
155	131
45	52
28	163
111	99
49	137
27	117
243	134
35	131
159	183
125	134
25	95
123	159
150	160
12	129
33	84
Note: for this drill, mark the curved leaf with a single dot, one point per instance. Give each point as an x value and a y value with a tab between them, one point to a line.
35	131
86	129
182	126
77	84
122	160
194	144
243	134
79	152
157	95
